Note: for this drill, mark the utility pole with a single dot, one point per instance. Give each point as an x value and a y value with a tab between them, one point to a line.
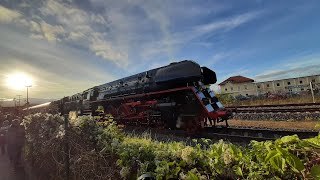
19	100
311	88
19	105
28	95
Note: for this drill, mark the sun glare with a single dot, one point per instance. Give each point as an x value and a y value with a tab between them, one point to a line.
18	81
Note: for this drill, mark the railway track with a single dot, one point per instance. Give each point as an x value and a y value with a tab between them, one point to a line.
284	108
235	135
245	135
281	105
276	110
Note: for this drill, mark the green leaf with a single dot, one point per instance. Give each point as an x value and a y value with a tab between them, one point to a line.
291	159
238	171
278	163
271	154
288	139
294	162
119	162
182	163
280	150
192	176
267	145
315	171
235	152
313	142
171	163
177	170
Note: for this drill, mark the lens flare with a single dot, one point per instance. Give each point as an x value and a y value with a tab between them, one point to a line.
18	81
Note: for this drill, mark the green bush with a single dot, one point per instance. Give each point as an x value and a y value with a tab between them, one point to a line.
103	151
226	99
44	148
285	158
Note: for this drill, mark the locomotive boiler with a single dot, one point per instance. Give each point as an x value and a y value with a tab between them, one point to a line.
172	96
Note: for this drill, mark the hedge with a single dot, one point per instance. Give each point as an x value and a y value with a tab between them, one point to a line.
99	150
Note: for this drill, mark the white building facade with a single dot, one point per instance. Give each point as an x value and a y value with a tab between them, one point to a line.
239	85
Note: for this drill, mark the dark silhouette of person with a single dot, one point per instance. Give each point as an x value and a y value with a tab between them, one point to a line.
3	136
16	138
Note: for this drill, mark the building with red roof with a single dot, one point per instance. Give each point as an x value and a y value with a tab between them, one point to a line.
236	79
240	85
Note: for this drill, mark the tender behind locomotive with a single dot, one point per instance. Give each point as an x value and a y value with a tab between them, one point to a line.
173	96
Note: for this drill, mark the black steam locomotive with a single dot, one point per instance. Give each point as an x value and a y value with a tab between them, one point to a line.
173	96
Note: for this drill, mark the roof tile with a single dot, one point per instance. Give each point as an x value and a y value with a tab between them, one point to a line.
237	79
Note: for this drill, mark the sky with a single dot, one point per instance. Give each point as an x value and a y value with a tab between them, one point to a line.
69	46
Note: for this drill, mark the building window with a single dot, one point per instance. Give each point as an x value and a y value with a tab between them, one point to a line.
226	89
258	86
302	89
247	94
231	88
289	83
300	82
245	87
267	85
313	80
238	88
278	84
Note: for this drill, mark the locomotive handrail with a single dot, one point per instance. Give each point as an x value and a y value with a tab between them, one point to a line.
144	94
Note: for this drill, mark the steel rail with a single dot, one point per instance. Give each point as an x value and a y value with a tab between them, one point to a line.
261	133
275	110
283	108
277	105
235	135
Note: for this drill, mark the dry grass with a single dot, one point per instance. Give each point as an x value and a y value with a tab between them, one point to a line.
305	125
293	100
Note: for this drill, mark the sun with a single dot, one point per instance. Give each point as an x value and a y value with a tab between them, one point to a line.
18	81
